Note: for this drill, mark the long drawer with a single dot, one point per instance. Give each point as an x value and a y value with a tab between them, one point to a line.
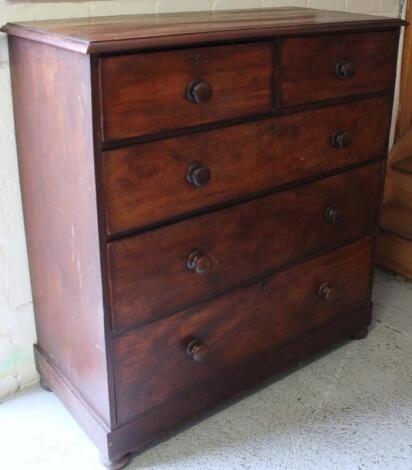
166	358
331	66
161	271
153	92
152	182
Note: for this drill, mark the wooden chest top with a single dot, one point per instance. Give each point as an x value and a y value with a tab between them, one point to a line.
121	33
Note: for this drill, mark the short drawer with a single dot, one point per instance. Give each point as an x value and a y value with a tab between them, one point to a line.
319	68
162	271
166	358
149	93
153	182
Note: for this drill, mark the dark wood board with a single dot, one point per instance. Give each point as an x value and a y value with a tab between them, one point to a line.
121	33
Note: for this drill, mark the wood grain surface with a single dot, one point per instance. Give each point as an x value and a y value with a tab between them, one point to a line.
242	161
236	327
307	67
149	277
123	33
147	93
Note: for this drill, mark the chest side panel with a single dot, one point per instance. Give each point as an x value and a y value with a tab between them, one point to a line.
53	115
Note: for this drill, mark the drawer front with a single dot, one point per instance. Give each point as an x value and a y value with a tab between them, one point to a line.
158	272
152	92
153	182
319	68
171	356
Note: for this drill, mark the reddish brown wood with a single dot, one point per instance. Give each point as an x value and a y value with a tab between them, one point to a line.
235	327
216	244
198	262
231	383
55	148
148	93
306	75
241	160
341	139
98	432
334	215
328	292
198	175
124	33
241	242
345	69
199	91
145	429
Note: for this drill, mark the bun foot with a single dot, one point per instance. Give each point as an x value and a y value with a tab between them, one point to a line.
44	385
116	464
362	334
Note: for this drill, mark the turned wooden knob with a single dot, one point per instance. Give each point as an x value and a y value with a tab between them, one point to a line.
345	69
199	91
198	262
328	292
341	140
197	350
198	174
333	215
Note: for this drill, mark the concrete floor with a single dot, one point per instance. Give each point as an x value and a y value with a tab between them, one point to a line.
349	410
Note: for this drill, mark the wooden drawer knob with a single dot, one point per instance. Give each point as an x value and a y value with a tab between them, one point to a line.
198	262
198	174
345	69
333	215
199	91
341	140
197	350
328	292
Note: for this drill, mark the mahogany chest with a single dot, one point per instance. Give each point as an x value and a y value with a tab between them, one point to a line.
201	194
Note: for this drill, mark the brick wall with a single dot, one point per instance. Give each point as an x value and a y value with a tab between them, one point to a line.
17	333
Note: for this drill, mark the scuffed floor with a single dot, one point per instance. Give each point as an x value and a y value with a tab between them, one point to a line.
350	409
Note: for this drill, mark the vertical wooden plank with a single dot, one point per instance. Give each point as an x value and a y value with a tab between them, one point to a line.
53	115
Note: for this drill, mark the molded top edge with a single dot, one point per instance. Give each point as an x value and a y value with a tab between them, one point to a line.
121	33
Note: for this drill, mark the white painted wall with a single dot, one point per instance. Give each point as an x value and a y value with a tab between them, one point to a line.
17	332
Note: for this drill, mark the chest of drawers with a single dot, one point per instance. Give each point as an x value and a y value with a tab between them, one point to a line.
201	193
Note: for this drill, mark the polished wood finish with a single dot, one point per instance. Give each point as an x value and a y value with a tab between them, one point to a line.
348	65
402	189
240	161
397	219
394	251
150	93
199	91
405	166
196	350
235	327
253	238
98	431
144	430
123	33
191	231
62	230
394	248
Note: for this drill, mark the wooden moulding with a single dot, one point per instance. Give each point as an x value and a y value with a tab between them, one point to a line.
140	432
123	33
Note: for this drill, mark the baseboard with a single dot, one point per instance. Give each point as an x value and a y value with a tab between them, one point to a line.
79	409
